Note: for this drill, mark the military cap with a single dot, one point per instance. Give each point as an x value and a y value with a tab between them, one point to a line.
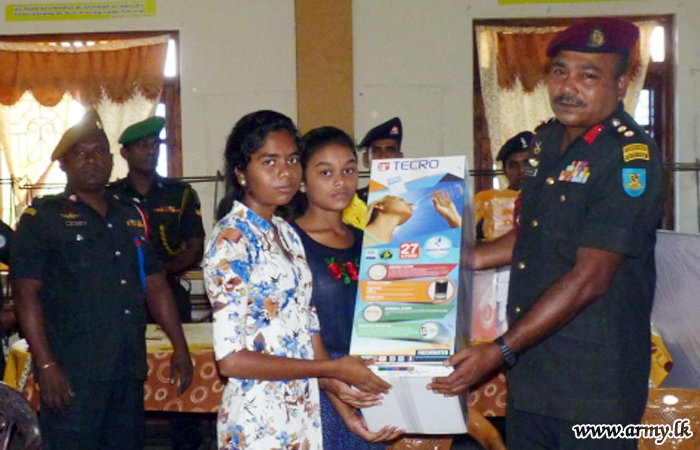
390	129
140	130
90	124
600	35
518	143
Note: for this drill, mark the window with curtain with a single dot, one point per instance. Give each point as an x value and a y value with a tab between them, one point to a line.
509	90
48	82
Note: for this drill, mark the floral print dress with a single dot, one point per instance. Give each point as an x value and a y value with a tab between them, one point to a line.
260	295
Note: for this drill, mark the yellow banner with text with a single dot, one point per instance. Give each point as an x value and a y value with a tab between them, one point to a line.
126	9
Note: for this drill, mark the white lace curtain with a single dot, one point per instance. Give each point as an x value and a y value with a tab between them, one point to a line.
128	79
515	96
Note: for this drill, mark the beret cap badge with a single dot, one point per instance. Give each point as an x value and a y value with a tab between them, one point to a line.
596	38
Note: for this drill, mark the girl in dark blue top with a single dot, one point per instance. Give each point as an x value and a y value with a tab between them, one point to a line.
329	164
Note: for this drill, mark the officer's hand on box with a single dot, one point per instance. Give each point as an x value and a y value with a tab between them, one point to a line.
473	364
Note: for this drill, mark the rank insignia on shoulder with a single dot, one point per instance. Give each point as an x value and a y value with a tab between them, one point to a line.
634	181
30	211
635	151
134	223
576	172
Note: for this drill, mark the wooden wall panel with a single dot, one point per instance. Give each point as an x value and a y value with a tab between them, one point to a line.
324	64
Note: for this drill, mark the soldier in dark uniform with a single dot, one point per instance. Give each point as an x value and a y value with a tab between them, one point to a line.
8	319
514	155
173	211
381	142
84	274
583	274
172	207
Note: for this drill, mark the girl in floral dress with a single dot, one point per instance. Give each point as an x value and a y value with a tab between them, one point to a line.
266	339
329	163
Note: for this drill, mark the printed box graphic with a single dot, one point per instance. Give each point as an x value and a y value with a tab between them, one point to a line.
409	283
412	309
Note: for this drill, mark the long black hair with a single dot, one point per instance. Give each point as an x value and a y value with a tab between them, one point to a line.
247	137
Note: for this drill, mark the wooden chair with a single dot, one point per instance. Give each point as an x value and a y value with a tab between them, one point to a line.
19	425
481	429
664	407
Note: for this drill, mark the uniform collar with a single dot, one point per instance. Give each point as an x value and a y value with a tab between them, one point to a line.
72	198
155	185
594	131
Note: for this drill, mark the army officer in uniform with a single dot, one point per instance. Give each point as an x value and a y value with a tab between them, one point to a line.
583	274
84	275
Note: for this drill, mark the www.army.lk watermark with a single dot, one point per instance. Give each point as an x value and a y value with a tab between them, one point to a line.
659	432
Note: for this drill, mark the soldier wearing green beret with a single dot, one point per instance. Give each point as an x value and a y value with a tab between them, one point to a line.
173	211
84	275
172	206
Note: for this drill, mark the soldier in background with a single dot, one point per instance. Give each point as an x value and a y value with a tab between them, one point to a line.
173	211
8	319
381	142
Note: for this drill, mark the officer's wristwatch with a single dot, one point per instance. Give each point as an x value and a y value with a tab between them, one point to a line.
508	354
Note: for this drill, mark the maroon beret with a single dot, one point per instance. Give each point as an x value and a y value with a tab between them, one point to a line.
600	35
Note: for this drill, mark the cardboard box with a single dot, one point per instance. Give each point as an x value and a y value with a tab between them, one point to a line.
489	304
414	301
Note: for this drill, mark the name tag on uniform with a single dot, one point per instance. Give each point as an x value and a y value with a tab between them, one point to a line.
76	223
530	172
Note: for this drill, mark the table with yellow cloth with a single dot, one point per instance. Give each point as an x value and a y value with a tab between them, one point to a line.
203	395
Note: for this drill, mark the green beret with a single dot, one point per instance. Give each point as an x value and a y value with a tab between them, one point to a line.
90	124
140	130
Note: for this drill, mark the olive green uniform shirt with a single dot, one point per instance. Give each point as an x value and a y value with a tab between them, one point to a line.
604	192
173	211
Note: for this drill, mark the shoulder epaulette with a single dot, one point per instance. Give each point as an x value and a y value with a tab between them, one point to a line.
625	129
125	198
545	124
174	182
44	201
117	183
